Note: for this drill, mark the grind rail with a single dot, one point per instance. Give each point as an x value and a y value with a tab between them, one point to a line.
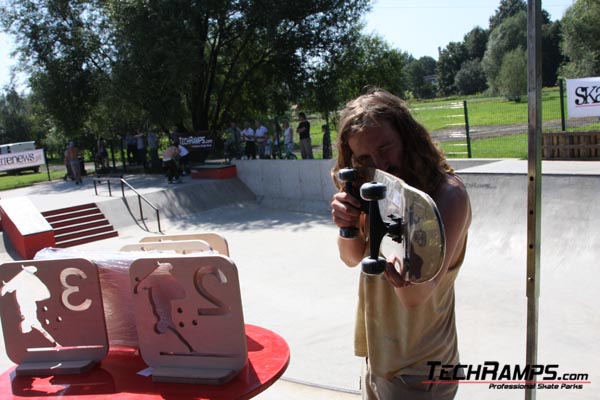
124	183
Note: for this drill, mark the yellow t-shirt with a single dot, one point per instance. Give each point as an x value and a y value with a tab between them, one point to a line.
399	340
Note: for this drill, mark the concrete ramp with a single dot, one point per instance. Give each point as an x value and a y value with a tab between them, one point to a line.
174	202
491	297
490	289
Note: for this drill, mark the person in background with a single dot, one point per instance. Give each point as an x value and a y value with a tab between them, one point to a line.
102	153
277	141
72	158
141	149
248	135
170	161
152	140
288	138
326	142
69	173
130	145
184	159
233	141
304	135
261	134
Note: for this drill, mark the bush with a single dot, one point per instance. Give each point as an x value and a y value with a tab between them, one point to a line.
470	79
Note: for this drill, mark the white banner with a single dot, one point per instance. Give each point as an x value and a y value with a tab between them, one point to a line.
583	97
25	159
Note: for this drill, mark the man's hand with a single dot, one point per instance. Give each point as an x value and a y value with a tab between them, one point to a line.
345	210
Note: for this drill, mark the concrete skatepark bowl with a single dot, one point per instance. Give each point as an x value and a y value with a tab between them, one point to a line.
275	216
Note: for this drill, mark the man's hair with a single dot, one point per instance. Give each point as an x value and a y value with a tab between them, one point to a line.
424	164
302	115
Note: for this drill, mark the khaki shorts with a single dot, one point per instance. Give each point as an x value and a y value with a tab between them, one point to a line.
409	387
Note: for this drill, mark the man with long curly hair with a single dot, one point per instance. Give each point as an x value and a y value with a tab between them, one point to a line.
400	326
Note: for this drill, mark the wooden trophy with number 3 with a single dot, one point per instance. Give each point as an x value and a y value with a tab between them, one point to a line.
52	316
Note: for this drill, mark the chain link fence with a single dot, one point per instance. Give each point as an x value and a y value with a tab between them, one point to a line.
493	127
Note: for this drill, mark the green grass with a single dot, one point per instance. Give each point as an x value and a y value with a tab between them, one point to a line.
482	111
511	146
28	178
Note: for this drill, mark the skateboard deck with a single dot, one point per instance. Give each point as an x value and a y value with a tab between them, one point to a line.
412	226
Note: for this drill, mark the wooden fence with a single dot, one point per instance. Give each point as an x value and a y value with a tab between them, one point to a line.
571	145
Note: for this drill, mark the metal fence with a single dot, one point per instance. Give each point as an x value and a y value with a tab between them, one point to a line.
493	127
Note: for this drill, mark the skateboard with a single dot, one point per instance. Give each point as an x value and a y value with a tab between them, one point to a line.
405	222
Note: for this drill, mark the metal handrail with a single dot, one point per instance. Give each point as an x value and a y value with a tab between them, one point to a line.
107	179
139	195
140	198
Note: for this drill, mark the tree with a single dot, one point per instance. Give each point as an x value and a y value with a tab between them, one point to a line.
581	39
476	43
509	8
57	41
20	118
14	126
451	59
418	73
365	61
216	57
552	57
509	35
471	78
512	76
193	64
505	10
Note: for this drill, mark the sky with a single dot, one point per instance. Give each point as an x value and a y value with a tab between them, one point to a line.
418	27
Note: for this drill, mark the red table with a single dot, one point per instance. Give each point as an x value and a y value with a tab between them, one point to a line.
117	376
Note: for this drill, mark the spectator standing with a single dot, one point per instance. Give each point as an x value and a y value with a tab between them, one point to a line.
304	135
276	142
288	137
130	144
248	135
69	173
261	135
326	142
141	149
102	153
170	162
184	159
153	150
72	159
233	142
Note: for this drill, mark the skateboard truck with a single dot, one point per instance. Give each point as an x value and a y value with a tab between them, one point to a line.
396	230
348	176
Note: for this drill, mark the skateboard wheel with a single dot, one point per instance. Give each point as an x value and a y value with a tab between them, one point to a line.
371	266
373	191
347	174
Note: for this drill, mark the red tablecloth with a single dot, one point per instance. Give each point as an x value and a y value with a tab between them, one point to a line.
117	376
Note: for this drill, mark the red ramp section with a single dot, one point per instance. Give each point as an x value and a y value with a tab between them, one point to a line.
214	171
79	224
25	227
